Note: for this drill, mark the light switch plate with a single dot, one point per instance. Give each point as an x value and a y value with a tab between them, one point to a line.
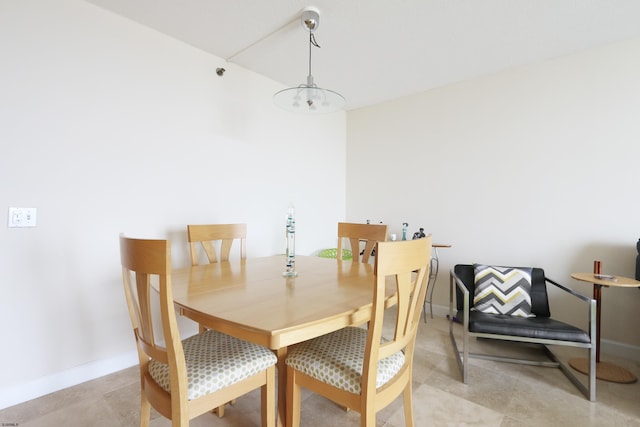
21	217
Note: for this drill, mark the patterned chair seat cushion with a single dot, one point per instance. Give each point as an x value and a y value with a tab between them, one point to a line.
214	361
337	359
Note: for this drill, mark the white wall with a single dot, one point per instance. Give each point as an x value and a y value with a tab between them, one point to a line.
534	166
109	127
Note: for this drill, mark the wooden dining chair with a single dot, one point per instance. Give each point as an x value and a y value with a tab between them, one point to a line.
208	237
355	233
182	379
356	367
211	235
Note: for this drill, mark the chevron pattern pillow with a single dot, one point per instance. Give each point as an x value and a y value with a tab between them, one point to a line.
502	290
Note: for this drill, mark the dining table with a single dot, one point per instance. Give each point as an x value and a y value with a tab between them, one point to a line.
251	299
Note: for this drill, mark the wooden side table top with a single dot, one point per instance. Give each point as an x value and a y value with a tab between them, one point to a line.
620	281
440	245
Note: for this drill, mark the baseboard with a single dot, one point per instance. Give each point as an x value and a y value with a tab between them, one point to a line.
438	310
618	349
13	395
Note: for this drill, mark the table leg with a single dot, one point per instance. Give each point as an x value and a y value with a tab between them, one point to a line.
433	275
281	353
597	295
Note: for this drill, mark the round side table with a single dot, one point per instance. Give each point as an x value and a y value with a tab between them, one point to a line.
604	370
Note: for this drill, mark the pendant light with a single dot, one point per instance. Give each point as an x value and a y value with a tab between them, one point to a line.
308	97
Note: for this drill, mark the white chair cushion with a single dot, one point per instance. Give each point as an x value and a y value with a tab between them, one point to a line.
214	361
337	359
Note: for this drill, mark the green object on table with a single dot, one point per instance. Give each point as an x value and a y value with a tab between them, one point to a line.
333	253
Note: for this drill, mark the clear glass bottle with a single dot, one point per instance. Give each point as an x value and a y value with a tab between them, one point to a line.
290	232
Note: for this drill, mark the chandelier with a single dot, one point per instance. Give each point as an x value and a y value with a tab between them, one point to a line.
308	97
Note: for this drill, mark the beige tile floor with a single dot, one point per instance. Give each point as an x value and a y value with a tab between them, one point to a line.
498	394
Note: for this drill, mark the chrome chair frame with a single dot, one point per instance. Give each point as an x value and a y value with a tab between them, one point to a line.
462	357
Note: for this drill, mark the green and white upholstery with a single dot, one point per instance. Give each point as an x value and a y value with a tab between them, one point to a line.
333	253
337	359
214	361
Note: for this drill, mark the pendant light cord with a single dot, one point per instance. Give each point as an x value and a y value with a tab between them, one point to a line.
312	41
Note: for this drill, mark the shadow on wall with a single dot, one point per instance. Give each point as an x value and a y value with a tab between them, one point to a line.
638	261
179	247
618	260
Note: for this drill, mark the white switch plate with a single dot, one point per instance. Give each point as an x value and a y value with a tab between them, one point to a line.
21	217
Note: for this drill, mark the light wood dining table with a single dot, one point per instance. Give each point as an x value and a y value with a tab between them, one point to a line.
250	299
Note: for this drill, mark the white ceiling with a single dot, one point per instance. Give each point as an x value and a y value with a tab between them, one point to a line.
377	50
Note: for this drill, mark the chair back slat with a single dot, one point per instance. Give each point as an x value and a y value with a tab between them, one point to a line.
408	264
143	261
354	233
144	315
222	234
